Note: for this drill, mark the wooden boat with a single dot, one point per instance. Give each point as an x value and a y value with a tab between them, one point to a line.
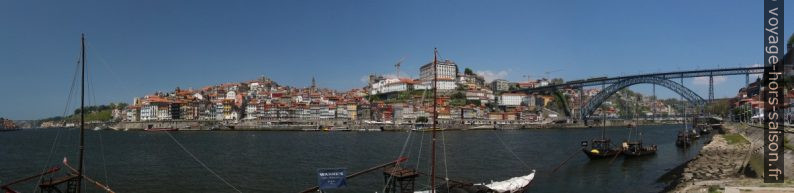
512	185
704	128
635	148
694	133
600	149
152	128
161	129
516	184
401	179
683	139
73	180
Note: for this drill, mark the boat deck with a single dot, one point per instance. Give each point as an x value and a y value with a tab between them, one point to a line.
399	172
56	181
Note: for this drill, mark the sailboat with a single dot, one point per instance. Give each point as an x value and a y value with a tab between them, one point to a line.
636	148
402	179
516	184
73	179
684	137
600	148
702	125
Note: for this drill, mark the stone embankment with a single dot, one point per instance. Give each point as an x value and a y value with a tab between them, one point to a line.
717	160
727	165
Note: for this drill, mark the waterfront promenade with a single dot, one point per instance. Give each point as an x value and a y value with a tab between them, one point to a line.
356	125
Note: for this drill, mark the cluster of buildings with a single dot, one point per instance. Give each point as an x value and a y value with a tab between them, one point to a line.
7	124
463	96
254	99
749	107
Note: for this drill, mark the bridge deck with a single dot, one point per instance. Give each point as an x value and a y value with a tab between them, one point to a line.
665	75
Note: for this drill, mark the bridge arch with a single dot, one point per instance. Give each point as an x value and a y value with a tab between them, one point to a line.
602	96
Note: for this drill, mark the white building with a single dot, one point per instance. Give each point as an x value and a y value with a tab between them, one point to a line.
231	95
132	114
511	99
148	112
251	111
390	85
447	74
163	113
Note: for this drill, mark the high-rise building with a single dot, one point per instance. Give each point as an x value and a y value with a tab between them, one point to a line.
447	74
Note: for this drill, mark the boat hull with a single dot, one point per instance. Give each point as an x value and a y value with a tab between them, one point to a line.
161	129
643	152
600	155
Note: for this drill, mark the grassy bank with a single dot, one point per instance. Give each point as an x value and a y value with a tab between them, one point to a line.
734	138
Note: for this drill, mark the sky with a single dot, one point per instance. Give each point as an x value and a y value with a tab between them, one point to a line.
143	46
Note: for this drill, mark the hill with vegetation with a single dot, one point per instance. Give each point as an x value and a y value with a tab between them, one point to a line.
101	113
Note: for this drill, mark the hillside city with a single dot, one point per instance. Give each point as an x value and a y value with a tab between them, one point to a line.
390	99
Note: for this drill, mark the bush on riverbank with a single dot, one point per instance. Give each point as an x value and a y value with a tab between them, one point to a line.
735	138
715	189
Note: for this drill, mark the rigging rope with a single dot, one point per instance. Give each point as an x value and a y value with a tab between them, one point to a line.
419	154
526	166
422	140
405	144
104	163
93	102
202	163
58	134
107	65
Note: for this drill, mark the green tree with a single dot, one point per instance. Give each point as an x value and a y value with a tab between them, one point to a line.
468	71
719	107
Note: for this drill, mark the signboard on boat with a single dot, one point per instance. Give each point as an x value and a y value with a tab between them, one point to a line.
330	178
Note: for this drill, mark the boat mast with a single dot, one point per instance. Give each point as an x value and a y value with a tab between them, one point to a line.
684	106
435	121
82	113
634	117
603	117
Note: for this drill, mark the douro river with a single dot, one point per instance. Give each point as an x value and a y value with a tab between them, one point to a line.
256	161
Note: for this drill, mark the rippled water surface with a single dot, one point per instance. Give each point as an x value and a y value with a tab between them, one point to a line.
255	161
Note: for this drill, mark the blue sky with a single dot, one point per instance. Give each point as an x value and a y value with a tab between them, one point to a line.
139	47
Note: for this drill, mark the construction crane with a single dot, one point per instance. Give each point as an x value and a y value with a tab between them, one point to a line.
397	66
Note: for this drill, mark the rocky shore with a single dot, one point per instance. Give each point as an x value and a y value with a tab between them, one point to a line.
728	164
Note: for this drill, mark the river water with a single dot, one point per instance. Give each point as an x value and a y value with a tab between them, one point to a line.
256	161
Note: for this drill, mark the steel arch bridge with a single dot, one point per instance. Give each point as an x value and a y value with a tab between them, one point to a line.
602	96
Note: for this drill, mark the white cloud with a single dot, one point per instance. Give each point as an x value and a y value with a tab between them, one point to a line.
705	80
490	76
